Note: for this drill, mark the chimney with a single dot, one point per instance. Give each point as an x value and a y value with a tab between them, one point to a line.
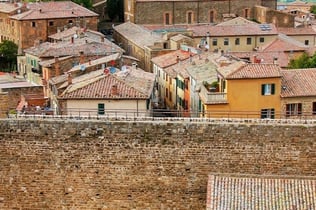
81	58
178	59
114	90
254	59
72	40
57	67
69	79
89	62
102	39
275	60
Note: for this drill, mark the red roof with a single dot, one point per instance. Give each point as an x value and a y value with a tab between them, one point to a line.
256	71
169	59
53	10
298	82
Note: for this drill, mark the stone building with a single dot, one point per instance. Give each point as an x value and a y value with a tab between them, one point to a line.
188	11
31	23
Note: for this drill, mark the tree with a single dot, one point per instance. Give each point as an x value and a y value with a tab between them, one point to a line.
313	9
8	53
115	9
85	3
303	62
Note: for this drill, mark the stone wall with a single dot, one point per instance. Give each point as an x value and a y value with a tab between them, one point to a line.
4	108
73	164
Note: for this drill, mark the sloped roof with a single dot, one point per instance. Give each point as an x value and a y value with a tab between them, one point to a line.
54	10
298	82
284	43
297	31
255	71
137	34
130	83
240	192
237	21
265	57
6	7
60	49
170	58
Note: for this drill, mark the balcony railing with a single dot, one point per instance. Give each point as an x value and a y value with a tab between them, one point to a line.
209	97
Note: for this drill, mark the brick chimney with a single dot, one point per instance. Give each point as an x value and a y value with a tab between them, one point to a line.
114	90
57	67
69	79
81	59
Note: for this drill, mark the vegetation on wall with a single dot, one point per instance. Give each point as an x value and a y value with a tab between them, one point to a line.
303	62
8	55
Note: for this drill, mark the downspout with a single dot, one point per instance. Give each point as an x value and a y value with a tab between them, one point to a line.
173	13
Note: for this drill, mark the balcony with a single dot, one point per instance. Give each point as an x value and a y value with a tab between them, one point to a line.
210	96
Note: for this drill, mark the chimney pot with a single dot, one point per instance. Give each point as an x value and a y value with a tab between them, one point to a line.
69	79
114	90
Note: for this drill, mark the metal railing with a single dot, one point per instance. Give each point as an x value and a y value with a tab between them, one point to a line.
167	115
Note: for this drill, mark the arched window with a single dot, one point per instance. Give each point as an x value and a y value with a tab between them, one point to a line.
167	18
211	16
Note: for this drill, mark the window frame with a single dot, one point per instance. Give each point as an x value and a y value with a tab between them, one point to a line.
237	41
267	113
268	89
249	40
101	109
293	109
226	41
214	42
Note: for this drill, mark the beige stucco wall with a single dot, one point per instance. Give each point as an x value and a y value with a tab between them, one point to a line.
112	107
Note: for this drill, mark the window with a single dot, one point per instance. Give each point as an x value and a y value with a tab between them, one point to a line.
261	40
189	17
214	42
293	109
212	16
267	113
101	109
167	19
249	40
246	13
226	41
306	42
33	24
70	21
314	107
167	92
267	89
51	23
237	41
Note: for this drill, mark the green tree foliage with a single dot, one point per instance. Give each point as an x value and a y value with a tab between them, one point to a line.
85	3
8	54
303	62
313	9
115	9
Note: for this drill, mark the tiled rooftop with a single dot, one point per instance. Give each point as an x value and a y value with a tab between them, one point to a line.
48	63
67	48
245	192
297	31
284	44
169	59
138	34
131	84
9	7
53	10
298	82
255	71
265	57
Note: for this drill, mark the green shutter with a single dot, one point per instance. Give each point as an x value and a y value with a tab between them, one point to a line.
272	89
262	89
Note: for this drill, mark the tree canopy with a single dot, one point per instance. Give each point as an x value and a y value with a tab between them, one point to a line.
8	54
303	62
115	9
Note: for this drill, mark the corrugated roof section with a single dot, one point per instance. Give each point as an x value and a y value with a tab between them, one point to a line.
244	192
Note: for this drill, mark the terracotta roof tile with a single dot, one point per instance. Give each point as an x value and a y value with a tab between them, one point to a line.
53	10
240	192
255	71
9	7
169	59
131	84
298	82
297	31
284	44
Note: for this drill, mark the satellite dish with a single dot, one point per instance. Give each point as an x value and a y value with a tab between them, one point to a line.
124	68
82	67
75	36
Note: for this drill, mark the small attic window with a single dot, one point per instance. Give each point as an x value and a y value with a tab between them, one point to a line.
33	24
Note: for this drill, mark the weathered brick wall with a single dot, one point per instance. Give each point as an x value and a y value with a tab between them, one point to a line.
155	165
